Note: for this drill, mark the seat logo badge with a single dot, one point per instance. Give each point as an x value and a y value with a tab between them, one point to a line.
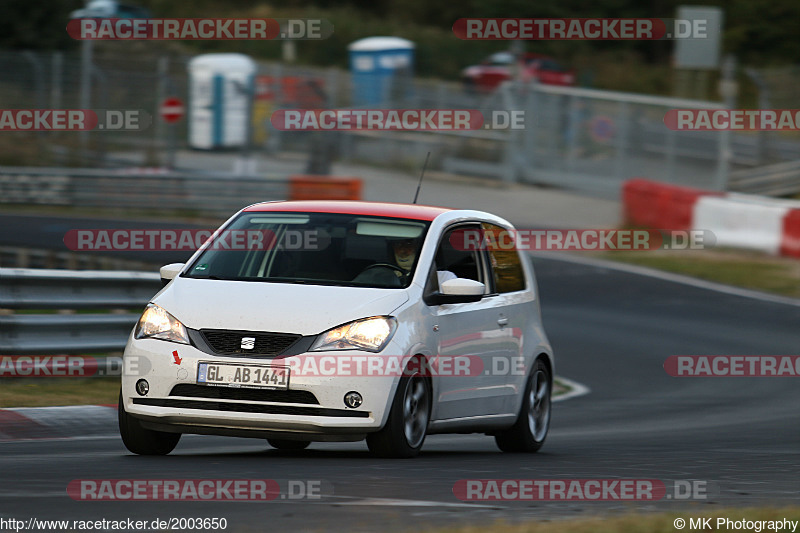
248	343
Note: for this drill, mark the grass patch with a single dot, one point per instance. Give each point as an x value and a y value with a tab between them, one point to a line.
46	392
750	270
637	523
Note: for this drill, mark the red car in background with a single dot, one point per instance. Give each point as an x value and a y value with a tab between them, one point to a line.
497	68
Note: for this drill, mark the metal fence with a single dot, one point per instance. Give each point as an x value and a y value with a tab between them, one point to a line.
125	80
577	138
46	291
594	140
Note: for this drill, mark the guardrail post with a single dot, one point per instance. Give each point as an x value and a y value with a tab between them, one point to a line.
573	130
671	152
87	46
723	161
622	141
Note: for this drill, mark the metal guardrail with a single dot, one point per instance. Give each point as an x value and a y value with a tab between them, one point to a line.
220	194
68	289
55	333
64	334
772	180
27	257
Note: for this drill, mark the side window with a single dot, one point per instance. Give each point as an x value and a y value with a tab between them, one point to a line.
454	261
509	276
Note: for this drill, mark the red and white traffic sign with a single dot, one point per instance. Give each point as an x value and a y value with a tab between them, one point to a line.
171	110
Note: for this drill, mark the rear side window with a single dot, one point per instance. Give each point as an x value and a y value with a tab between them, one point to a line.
509	276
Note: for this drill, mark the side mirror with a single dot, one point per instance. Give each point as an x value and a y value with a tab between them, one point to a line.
457	291
170	272
463	287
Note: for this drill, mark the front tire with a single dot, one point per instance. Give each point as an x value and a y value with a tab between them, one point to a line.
405	430
527	435
140	440
289	445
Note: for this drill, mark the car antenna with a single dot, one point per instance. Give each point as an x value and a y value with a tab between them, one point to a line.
421	175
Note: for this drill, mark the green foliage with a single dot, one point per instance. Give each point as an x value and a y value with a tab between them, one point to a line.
757	33
36	24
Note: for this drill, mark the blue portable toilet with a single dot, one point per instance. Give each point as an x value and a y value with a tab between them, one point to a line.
220	93
377	63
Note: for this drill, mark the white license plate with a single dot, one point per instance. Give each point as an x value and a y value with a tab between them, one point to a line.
241	375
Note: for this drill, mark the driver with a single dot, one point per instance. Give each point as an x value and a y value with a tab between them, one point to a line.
405	253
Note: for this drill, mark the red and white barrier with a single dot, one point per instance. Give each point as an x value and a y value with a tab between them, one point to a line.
660	205
738	223
737	220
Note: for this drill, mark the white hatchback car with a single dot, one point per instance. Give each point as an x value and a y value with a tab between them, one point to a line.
355	320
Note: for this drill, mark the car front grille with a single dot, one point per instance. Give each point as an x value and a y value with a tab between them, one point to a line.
229	342
249	395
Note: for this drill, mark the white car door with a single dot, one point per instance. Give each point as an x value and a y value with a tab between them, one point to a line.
471	330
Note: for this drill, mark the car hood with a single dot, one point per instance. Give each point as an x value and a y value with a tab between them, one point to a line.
278	307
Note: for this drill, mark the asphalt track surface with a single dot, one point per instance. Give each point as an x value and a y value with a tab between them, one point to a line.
611	330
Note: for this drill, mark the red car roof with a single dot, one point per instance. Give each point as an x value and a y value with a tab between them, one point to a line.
378	209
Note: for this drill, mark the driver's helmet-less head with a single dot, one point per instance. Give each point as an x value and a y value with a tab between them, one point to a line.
405	252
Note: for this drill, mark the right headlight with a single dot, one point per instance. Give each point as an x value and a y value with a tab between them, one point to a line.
156	323
370	334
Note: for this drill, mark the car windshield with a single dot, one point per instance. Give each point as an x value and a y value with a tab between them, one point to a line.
315	249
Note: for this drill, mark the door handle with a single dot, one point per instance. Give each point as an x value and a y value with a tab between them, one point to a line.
502	322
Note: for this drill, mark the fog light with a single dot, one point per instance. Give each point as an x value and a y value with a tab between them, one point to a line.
353	399
142	387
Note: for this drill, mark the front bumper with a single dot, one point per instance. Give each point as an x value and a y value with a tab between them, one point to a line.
323	416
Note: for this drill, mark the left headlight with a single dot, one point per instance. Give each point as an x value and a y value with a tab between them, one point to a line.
370	334
156	323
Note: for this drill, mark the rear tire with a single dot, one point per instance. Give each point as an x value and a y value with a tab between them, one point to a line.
289	445
530	430
405	430
140	440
